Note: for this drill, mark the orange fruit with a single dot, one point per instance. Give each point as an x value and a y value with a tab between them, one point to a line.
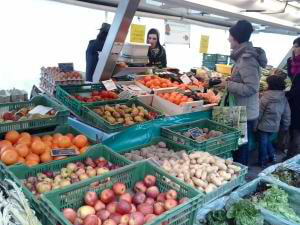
25	134
12	136
22	150
31	163
83	149
46	157
32	156
21	160
80	141
64	142
71	136
36	138
38	147
24	140
5	148
57	135
9	157
47	138
5	143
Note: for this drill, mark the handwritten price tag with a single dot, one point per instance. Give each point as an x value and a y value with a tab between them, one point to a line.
109	85
185	79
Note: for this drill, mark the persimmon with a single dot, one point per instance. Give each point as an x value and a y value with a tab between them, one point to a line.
46	157
12	136
80	141
24	140
5	143
47	138
71	136
32	156
64	142
38	147
22	150
9	157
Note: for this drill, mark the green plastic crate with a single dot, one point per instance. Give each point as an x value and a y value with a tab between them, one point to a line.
222	59
170	145
65	95
225	143
97	121
20	172
60	118
73	196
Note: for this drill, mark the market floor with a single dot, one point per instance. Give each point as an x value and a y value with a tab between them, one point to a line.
253	170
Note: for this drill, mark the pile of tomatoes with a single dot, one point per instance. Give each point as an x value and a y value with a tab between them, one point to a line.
98	96
32	150
176	98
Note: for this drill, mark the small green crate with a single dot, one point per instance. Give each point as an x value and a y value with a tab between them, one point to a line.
61	116
20	172
170	145
65	95
93	119
222	59
209	57
216	146
72	196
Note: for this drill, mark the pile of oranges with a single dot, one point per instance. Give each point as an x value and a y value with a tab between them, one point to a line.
176	98
155	82
32	150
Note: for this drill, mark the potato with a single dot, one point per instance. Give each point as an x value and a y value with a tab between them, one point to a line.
199	182
195	155
120	120
116	114
215	180
210	187
109	109
226	176
235	168
204	175
215	168
231	171
221	166
228	162
193	161
200	160
111	119
192	172
198	173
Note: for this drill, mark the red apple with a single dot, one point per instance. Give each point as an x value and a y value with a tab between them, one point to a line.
119	188
126	197
123	207
90	198
158	208
149	217
124	219
145	208
109	222
112	207
133	208
170	203
152	192
150	201
161	197
99	205
140	187
103	214
115	217
136	218
171	194
139	198
91	220
107	196
149	180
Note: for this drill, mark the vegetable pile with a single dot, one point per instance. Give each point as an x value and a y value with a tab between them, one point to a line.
276	200
239	213
72	173
287	176
120	206
123	114
14	207
205	134
97	96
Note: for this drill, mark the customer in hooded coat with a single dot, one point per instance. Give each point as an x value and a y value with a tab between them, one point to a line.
293	65
93	50
244	81
156	53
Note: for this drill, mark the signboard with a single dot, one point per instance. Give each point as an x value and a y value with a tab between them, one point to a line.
177	33
204	41
137	33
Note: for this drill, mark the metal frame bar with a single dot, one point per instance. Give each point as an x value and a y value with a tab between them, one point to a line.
115	39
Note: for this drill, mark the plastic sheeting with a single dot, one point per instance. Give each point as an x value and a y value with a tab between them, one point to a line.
270	217
143	133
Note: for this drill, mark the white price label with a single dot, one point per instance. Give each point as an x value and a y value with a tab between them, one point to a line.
40	109
194	79
125	94
109	85
185	79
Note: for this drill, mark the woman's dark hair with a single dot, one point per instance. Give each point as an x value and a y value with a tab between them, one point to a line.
103	32
154	31
276	83
297	41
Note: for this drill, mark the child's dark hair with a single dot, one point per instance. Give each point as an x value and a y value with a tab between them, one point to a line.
276	83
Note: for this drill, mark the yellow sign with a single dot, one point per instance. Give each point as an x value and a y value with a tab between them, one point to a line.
204	41
137	33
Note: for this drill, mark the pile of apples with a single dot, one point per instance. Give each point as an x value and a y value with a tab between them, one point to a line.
119	206
98	96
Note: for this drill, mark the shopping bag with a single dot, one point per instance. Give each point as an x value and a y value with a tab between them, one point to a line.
229	114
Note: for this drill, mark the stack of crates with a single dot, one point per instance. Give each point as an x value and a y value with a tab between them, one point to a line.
210	60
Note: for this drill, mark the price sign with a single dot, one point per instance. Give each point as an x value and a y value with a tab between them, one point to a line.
194	79
66	67
40	109
185	79
109	85
195	132
137	33
204	41
125	94
63	152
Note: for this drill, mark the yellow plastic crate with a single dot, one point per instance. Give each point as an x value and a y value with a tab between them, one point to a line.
224	69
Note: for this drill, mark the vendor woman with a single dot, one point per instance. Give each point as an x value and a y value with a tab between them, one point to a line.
156	53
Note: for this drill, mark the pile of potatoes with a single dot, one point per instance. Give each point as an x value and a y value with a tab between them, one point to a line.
202	170
159	153
123	114
198	169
